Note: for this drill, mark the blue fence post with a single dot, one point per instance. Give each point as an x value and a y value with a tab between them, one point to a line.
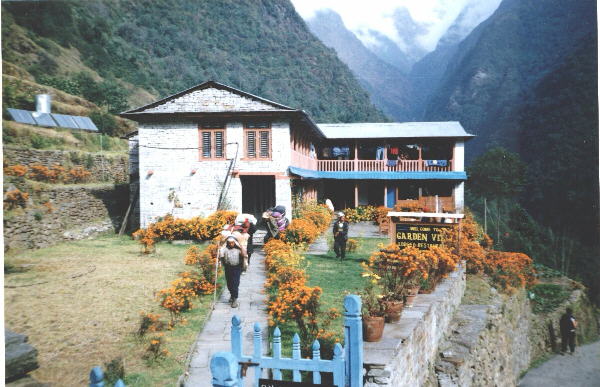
316	356
296	356
257	341
236	342
353	341
224	369
119	383
96	377
338	359
277	352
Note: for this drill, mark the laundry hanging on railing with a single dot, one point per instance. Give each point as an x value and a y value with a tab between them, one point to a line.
379	153
337	151
436	163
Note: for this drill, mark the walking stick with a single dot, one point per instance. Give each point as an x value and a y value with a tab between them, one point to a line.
216	278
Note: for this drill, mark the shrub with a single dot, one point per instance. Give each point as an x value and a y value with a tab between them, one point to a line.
352	245
114	370
150	323
169	228
15	198
548	297
16	170
78	175
398	269
301	231
155	350
510	270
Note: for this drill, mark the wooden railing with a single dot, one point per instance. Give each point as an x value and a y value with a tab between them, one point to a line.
379	166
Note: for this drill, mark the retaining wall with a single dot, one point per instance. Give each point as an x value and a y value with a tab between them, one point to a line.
408	350
103	167
76	212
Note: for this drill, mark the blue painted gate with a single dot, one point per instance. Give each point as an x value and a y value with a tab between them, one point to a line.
229	368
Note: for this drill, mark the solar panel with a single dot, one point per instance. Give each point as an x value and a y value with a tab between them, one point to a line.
65	121
85	123
22	116
43	119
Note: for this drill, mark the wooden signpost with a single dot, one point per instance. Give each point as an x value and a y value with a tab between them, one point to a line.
418	233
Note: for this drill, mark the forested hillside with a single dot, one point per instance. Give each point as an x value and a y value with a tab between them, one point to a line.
502	59
388	86
150	49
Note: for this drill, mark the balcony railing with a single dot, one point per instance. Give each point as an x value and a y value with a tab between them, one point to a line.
302	161
381	166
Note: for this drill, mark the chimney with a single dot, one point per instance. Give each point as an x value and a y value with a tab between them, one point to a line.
43	103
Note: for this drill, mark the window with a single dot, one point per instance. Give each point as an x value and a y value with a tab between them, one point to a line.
212	141
257	137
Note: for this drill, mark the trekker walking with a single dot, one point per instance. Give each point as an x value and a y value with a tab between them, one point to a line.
568	324
249	228
232	255
340	236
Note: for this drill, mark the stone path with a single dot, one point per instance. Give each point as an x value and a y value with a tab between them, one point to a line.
216	337
581	369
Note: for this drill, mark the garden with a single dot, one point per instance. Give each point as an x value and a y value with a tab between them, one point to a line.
131	306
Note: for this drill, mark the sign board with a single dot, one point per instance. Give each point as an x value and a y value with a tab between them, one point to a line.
420	235
282	383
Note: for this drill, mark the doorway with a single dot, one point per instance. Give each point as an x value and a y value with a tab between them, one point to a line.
258	194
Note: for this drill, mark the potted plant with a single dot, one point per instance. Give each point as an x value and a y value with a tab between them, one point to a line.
399	269
372	313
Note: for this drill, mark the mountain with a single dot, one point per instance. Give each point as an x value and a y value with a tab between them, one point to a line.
387	85
155	48
501	60
385	49
558	139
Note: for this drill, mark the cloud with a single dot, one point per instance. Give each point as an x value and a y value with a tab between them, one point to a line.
435	16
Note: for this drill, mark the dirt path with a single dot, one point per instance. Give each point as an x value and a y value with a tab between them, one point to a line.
580	369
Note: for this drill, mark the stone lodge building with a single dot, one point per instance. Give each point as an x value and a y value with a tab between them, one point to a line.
213	146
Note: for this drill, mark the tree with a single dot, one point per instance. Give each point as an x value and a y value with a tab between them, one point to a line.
497	174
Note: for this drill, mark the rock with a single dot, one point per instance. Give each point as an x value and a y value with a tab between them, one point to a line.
20	357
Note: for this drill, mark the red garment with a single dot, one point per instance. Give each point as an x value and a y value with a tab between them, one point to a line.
394	150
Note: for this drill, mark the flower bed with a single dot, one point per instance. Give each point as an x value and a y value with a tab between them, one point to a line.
170	228
54	174
290	298
366	214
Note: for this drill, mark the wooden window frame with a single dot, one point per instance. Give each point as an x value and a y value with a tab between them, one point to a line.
257	131
213	148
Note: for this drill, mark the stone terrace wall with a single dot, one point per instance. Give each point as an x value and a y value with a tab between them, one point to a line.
488	345
114	168
406	353
77	212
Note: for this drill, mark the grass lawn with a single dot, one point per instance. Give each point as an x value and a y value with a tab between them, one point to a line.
77	323
338	278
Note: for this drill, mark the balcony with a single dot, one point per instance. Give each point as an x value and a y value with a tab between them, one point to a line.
302	161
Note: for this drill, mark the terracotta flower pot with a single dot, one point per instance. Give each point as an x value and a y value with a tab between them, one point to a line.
373	328
393	310
410	297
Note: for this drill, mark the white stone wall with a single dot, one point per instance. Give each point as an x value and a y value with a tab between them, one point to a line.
169	186
408	350
211	100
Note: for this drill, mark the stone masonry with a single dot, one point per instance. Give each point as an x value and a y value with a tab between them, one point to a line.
111	168
406	353
175	181
76	212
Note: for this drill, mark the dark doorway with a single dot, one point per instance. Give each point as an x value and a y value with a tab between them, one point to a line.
340	192
258	194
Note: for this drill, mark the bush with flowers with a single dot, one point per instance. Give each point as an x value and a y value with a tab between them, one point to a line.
506	270
352	245
150	322
155	349
397	269
292	300
16	170
197	228
15	198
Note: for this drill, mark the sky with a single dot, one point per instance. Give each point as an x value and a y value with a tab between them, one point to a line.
435	16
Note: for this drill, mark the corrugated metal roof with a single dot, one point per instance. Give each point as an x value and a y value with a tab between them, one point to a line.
394	130
310	174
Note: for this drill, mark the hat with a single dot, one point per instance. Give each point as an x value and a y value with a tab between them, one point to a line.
340	214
